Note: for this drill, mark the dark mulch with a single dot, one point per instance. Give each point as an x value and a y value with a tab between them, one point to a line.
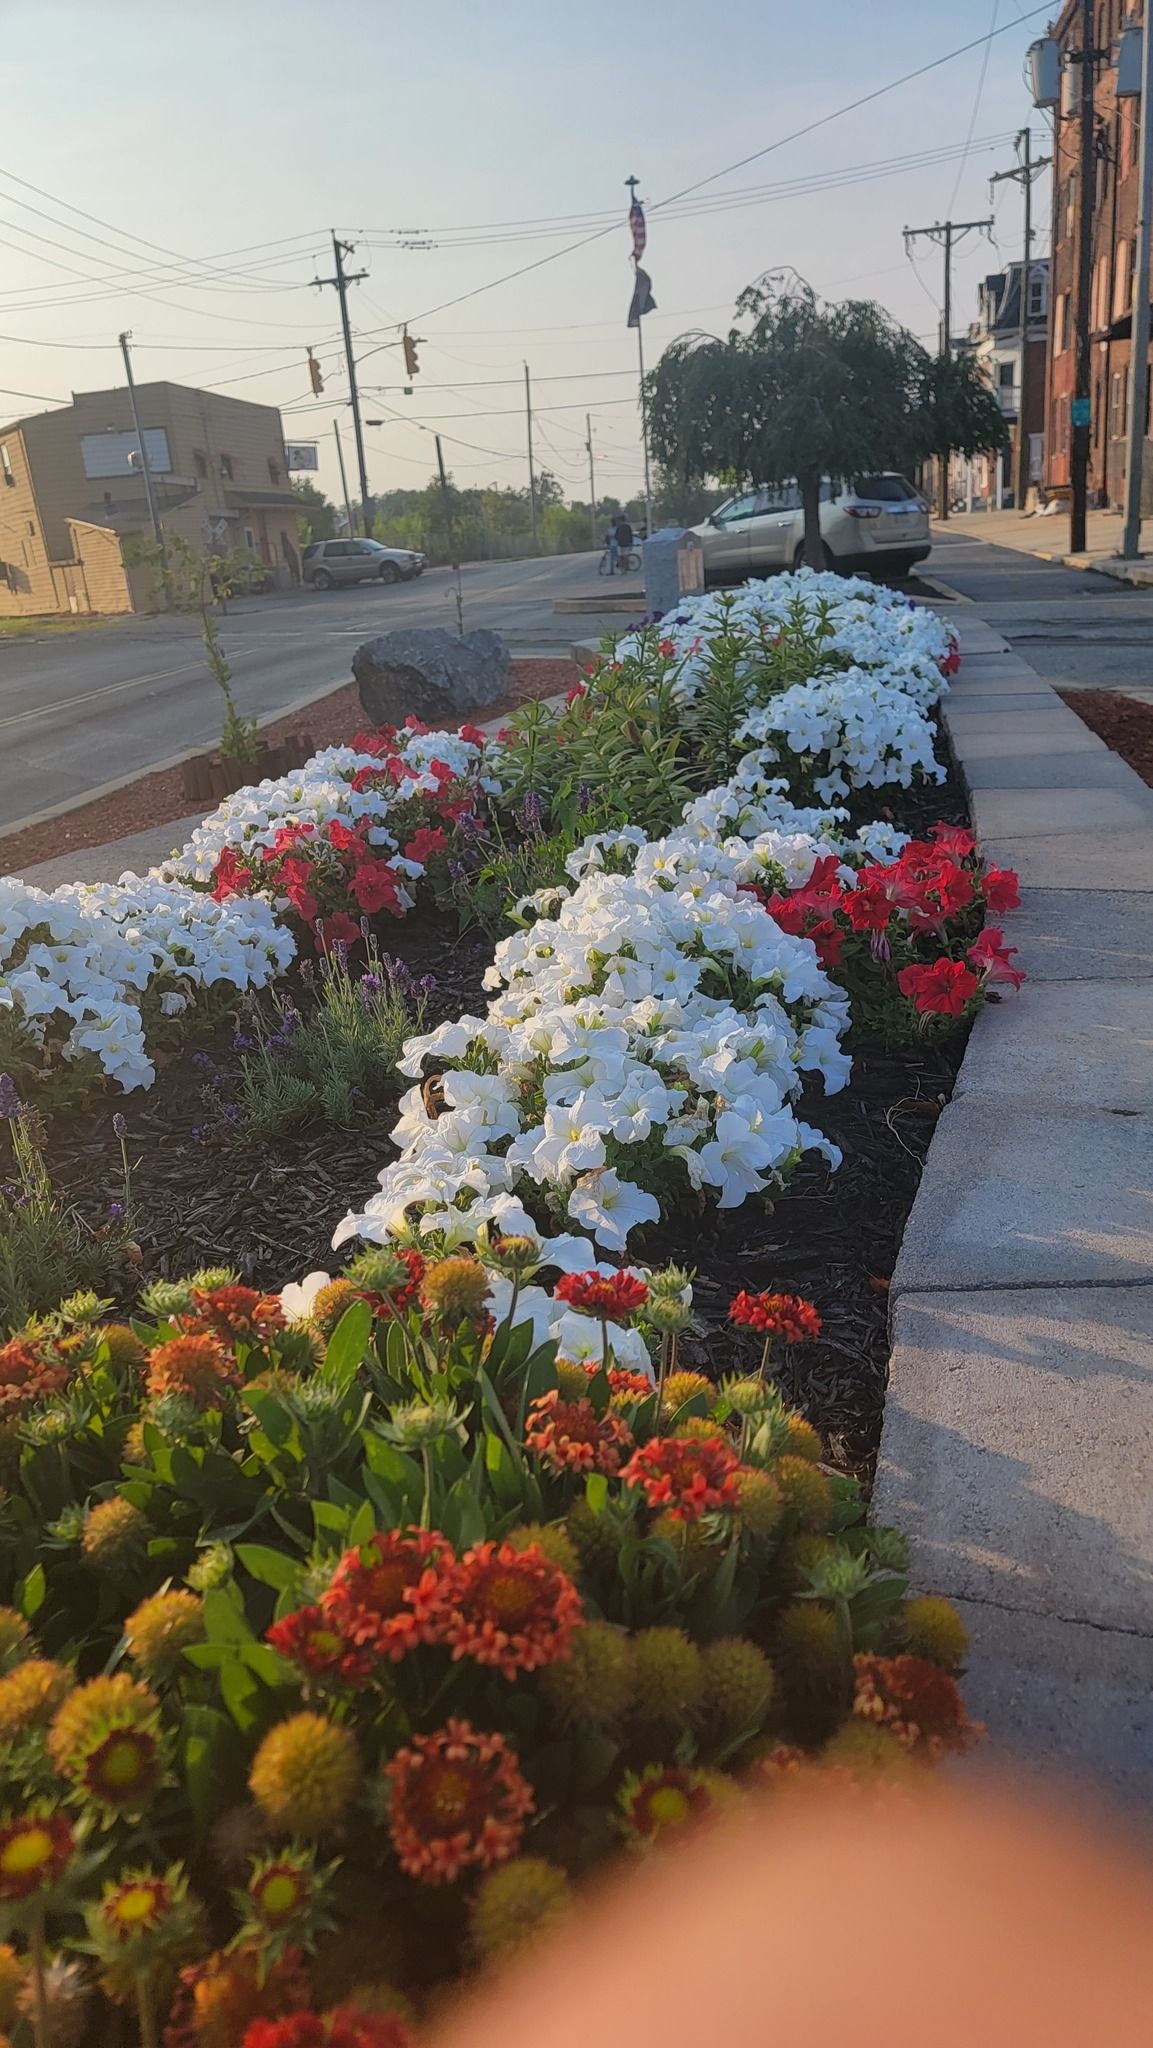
1124	723
158	798
270	1211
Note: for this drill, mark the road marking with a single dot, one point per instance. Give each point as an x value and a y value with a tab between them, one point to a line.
115	689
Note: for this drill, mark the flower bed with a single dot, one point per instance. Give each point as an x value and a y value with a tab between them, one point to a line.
351	1628
394	1626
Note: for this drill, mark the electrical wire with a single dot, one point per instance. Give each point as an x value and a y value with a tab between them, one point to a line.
977	97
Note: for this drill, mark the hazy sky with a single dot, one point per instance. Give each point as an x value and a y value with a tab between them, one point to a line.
218	126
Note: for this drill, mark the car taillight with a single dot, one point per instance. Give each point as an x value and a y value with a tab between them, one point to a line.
863	511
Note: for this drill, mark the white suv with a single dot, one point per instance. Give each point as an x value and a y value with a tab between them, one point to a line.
329	562
877	522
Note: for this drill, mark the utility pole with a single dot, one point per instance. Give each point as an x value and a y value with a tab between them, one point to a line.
1080	411
592	477
1027	169
343	477
340	284
1139	348
450	525
946	234
632	184
531	470
145	465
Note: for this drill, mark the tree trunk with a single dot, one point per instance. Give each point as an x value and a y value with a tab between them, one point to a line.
943	484
814	547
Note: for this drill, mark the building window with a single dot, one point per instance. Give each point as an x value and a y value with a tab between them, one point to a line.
6	464
273	471
1100	305
1070	204
226	468
250	539
1130	135
1038	294
1118	405
200	461
1062	333
1005	376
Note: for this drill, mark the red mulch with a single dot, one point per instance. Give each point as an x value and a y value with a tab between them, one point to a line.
158	797
1124	723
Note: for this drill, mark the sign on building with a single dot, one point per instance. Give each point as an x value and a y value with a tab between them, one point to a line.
105	455
301	455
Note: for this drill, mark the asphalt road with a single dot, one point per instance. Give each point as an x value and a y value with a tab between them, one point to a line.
79	710
1078	629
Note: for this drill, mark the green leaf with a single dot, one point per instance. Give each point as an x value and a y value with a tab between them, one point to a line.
224	1618
270	1567
363	1527
597	1492
240	1693
347	1345
31	1591
203	1730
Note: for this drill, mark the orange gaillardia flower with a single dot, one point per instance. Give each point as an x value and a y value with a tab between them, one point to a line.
198	1367
569	1436
35	1850
106	1740
30	1695
393	1592
310	1639
664	1798
917	1700
161	1628
511	1608
458	1798
687	1476
238	1311
776	1315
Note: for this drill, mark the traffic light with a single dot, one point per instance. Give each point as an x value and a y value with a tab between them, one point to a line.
410	359
314	375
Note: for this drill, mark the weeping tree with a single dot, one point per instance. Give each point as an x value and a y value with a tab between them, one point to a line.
803	392
958	415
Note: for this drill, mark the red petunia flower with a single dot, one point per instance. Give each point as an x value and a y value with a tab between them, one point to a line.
955	840
940	990
374	887
512	1609
344	838
230	876
776	1315
392	1593
474	735
1000	890
429	840
298	2030
615	1296
349	2027
310	1639
686	1476
569	1436
578	691
993	959
868	906
458	1798
340	930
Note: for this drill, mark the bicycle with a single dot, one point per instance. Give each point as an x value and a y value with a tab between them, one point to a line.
628	563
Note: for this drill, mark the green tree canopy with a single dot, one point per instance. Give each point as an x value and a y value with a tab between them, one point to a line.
803	392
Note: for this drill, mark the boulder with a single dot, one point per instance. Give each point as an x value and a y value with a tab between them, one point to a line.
430	674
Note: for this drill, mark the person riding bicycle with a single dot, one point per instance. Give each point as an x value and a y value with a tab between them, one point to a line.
620	543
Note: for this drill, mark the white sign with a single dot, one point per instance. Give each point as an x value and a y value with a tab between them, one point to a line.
301	455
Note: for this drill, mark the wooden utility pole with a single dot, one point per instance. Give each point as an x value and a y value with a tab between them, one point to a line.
145	465
1023	174
340	284
592	479
531	470
1080	411
946	233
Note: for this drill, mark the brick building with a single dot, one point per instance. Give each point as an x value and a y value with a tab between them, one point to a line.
1114	201
72	493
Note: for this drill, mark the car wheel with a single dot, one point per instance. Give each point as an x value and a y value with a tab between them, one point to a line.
321	580
389	573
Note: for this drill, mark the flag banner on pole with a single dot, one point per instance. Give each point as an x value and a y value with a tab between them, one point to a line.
637	224
643	300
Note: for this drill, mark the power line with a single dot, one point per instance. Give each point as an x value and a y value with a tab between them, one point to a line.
977	97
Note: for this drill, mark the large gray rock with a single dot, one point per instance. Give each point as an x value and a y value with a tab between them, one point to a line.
430	674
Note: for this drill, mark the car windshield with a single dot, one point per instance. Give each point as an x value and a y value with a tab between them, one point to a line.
884	490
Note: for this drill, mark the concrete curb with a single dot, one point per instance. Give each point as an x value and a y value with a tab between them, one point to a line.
1019	1420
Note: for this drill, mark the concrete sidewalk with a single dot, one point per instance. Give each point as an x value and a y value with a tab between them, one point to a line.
1019	1424
1047	535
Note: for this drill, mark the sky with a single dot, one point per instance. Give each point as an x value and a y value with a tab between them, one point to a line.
184	164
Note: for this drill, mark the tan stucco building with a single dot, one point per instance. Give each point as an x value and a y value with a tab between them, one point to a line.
72	491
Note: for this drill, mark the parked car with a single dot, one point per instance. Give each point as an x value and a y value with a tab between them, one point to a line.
329	562
876	522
